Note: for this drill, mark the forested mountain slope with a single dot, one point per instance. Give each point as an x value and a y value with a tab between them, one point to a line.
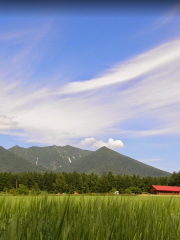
105	159
9	162
51	157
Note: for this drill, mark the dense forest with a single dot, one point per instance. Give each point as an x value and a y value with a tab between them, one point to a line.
82	183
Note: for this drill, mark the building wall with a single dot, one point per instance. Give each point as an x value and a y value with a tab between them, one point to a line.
167	193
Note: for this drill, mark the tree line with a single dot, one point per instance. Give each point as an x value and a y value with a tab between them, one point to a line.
83	183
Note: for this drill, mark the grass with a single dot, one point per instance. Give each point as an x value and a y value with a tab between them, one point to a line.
89	217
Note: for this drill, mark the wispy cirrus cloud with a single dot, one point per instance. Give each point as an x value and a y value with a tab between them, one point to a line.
16	36
7	123
143	91
128	70
167	17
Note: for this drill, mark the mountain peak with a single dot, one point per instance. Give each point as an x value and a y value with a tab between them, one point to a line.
105	159
105	148
10	162
50	157
2	148
16	146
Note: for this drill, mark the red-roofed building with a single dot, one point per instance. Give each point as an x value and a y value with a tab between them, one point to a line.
164	190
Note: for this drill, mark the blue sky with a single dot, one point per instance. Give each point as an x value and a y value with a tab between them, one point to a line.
92	79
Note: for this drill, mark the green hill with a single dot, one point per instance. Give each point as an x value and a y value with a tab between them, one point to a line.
105	159
9	162
51	157
71	159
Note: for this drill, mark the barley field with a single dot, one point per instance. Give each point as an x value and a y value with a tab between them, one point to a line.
89	217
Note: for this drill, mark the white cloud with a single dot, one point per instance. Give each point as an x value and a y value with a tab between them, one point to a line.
7	123
87	141
117	144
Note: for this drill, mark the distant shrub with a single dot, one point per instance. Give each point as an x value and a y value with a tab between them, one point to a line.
22	190
13	192
6	190
113	190
35	190
121	190
135	190
127	191
44	193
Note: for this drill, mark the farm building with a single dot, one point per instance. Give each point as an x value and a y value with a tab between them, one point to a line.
164	190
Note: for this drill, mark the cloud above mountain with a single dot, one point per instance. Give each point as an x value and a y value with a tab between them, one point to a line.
113	144
87	141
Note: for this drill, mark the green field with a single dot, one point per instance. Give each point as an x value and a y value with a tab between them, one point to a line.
89	217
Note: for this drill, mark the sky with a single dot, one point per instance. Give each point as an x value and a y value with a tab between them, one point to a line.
93	77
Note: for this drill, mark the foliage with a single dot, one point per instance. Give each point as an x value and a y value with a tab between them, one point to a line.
135	190
35	190
127	191
13	192
6	190
102	217
105	159
70	159
83	183
9	162
60	184
51	157
22	190
112	191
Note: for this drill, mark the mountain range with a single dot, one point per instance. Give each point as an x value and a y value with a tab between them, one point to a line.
9	162
105	159
70	159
